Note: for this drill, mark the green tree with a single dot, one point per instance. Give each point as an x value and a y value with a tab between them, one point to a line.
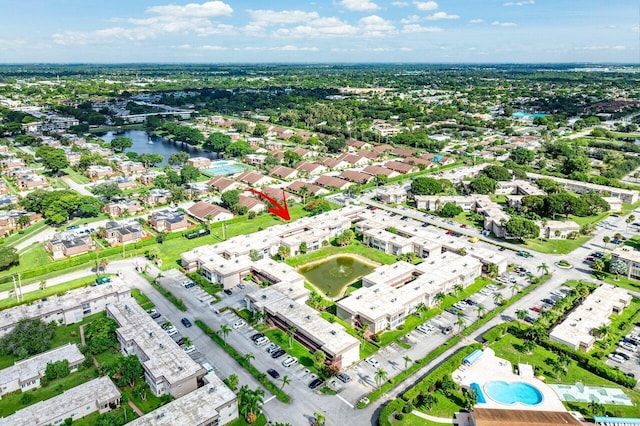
618	267
53	159
100	335
285	381
450	210
317	207
522	155
407	359
319	357
519	227
232	381
521	314
544	268
238	149
291	332
151	159
119	144
380	377
483	185
178	158
424	185
606	239
28	337
499	173
224	331
335	145
217	142
291	158
231	199
598	267
303	247
189	174
8	257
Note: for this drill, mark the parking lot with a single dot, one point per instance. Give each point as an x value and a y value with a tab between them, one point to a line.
626	356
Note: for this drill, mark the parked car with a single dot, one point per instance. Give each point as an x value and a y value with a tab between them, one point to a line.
227	291
257	336
277	354
447	330
185	321
289	361
155	315
372	362
273	373
623	355
316	383
238	324
628	346
261	341
343	377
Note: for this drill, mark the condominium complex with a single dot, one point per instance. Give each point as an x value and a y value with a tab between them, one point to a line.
630	257
97	395
26	374
214	404
577	330
167	368
626	195
69	308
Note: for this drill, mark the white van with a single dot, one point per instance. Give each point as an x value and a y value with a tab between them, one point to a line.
207	367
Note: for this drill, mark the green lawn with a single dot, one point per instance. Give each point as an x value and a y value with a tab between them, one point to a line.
142	299
296	350
124	412
240	421
13	402
47	292
589	219
76	177
355	247
413	420
554	246
624	282
465	218
149	404
20	236
507	348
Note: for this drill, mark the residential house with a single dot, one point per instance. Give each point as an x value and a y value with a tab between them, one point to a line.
168	221
206	212
197	189
10	220
254	159
11	163
122	208
278	194
311	168
354	159
130	167
7	200
311	189
393	195
253	178
30	182
332	182
199	162
223	184
252	204
399	167
356	177
99	172
303	152
557	229
65	244
124	232
157	196
148	178
283	172
355	145
377	170
334	163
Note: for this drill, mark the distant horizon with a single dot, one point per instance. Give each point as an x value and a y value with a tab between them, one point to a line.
626	64
320	31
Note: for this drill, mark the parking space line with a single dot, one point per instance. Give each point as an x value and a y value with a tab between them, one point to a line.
345	401
268	399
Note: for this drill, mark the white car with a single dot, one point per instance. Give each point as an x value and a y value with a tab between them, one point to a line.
289	361
372	362
628	346
423	329
238	324
171	331
189	349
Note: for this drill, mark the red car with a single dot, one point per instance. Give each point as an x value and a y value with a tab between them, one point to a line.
449	232
464	225
535	309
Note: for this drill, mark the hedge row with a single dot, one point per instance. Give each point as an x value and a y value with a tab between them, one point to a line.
585	361
261	377
447	367
178	303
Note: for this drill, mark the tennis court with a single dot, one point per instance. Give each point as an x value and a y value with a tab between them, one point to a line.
225	168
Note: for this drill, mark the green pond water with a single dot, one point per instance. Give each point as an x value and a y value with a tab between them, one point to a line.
333	275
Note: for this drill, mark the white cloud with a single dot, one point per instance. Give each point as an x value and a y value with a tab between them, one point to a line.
319	28
359	5
406	49
441	15
192	10
503	24
476	21
291	48
375	26
272	17
426	5
213	48
400	4
415	28
636	28
602	47
410	19
519	3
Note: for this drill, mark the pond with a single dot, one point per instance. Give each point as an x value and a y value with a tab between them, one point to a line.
144	143
333	275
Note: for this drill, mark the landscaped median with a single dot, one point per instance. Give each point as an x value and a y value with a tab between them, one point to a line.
178	303
261	377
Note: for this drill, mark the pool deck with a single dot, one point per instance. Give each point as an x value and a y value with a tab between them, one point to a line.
491	368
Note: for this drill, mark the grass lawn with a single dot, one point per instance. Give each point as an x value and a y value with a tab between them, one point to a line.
296	350
240	421
366	349
142	299
620	281
506	348
17	400
48	291
413	420
31	257
124	412
553	246
464	218
589	219
356	247
17	237
171	250
76	177
621	325
149	404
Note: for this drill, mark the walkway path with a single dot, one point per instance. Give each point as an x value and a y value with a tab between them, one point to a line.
136	409
445	420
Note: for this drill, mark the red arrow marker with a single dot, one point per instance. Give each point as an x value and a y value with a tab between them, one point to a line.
277	209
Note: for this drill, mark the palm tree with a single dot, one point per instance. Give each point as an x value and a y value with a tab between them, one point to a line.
544	268
457	289
598	266
248	357
480	310
606	239
420	309
186	341
407	359
303	191
285	381
460	323
521	314
318	419
381	376
498	298
515	287
602	331
224	331
291	331
439	298
629	220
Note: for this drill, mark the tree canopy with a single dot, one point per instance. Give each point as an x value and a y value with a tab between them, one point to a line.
120	143
53	159
30	336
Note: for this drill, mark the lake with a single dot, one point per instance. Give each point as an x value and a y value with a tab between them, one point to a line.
160	145
333	275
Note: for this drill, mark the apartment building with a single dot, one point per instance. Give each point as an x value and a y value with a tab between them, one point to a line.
168	221
626	195
65	244
167	368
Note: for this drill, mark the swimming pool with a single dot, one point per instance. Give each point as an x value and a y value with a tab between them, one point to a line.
511	393
479	395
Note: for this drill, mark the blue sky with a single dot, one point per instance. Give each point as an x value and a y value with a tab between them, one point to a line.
530	31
